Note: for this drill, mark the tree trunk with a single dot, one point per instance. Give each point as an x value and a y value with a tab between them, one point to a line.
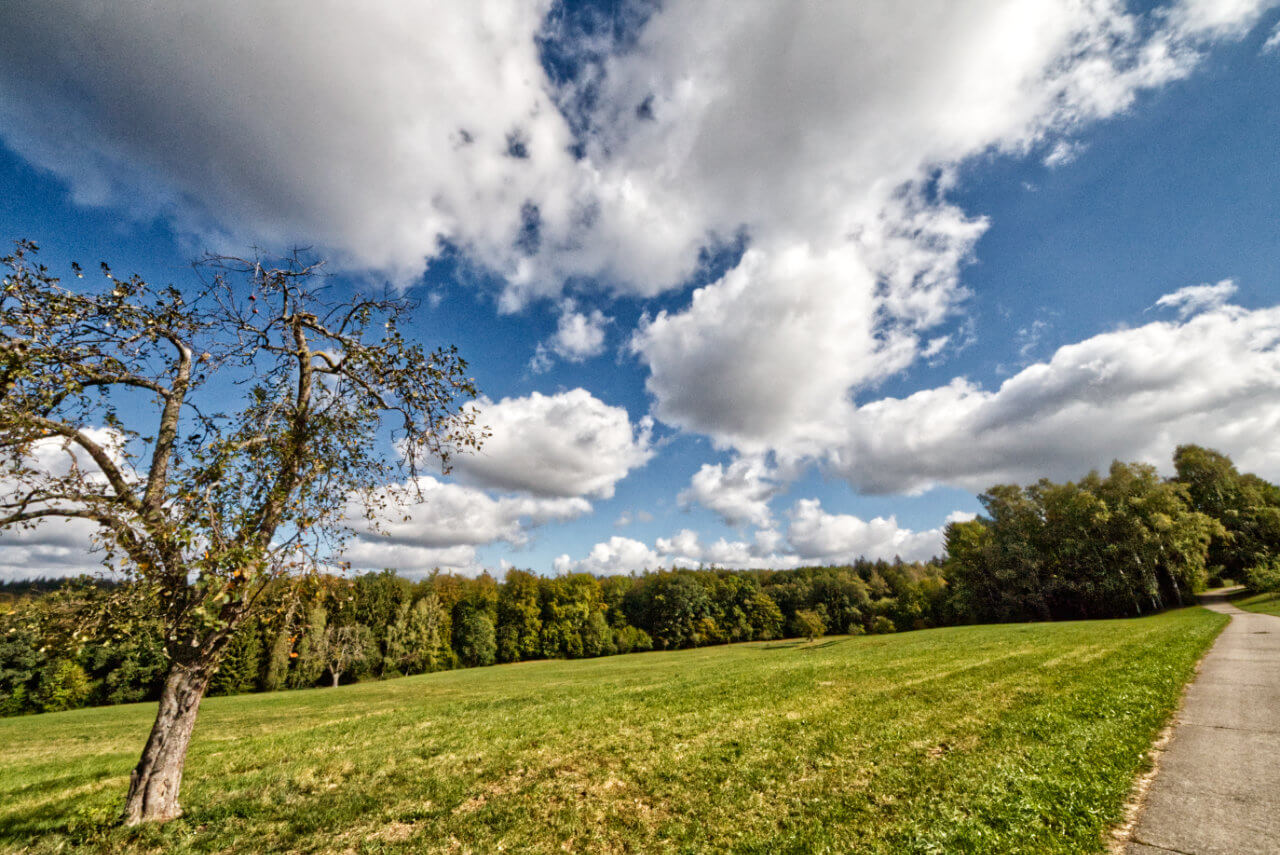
154	784
336	675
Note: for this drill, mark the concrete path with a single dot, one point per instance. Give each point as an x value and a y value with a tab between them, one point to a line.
1217	786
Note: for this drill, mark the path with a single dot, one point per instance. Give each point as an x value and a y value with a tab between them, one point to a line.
1217	789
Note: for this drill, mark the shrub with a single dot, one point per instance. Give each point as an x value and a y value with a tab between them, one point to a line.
881	625
64	685
1264	578
810	624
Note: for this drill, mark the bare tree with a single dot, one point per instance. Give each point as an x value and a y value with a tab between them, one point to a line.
217	439
343	647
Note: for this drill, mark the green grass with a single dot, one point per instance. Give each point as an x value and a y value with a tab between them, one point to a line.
1016	738
1267	604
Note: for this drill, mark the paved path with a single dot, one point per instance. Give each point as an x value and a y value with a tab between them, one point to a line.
1217	788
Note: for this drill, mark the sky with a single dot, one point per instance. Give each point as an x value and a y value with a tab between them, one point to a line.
747	283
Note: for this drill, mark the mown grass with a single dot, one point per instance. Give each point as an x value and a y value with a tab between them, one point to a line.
1016	738
1267	604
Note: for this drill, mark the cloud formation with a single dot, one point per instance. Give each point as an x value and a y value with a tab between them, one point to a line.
812	537
739	492
1132	394
451	520
578	337
1197	298
568	444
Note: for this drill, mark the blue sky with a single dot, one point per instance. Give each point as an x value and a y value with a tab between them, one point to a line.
759	285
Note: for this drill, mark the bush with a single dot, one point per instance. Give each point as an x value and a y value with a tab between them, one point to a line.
64	685
1263	578
881	625
810	624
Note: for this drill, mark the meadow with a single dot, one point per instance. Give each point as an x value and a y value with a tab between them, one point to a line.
1003	738
1265	603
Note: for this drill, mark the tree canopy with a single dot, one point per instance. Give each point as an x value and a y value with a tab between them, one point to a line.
217	438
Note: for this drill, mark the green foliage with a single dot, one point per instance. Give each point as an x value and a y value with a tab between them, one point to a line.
473	638
881	625
1247	507
1123	544
64	685
239	668
1109	546
809	623
1263	578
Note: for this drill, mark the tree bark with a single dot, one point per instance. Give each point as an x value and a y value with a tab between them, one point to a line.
336	675
154	784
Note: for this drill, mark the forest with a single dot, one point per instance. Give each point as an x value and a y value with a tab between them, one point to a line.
1122	544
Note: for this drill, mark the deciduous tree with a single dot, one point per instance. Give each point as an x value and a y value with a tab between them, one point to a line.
217	438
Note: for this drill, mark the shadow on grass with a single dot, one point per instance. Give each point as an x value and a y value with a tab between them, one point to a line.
799	645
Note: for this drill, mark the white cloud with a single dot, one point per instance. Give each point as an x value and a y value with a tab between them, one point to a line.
1216	18
371	133
617	555
813	536
578	337
568	444
855	254
411	561
450	521
1198	298
824	538
1273	41
56	546
379	135
739	493
1133	394
774	345
455	515
1062	153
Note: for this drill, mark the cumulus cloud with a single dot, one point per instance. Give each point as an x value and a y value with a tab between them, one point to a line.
568	444
374	135
739	493
1197	298
380	136
448	523
454	515
826	538
1133	394
855	254
617	555
365	554
812	536
578	337
774	345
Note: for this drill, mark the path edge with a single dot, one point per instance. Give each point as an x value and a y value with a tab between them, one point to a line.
1120	835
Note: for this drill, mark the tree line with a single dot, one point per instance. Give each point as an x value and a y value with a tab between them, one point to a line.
1117	545
1121	544
332	629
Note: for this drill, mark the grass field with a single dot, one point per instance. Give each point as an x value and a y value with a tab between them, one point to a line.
1267	604
1016	738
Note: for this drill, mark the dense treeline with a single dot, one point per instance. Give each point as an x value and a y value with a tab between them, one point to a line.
334	629
1125	543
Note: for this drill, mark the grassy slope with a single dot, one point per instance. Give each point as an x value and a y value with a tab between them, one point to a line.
1019	738
1267	604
